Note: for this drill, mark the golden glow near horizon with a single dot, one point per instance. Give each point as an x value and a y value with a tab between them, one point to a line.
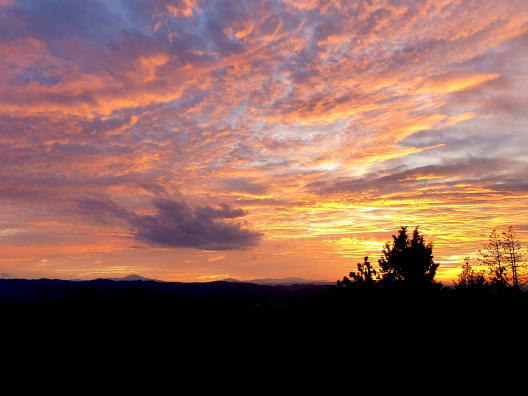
198	140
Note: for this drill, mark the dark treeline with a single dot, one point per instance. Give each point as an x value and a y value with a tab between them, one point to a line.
407	266
403	285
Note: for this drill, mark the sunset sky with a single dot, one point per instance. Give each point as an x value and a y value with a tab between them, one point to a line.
194	140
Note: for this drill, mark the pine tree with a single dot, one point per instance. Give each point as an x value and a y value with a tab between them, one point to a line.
408	261
493	256
365	275
470	279
514	256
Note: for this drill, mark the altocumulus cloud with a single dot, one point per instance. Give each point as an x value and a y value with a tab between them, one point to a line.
176	224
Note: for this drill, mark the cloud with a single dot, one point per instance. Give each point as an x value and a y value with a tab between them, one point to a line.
486	173
452	139
176	224
314	117
245	185
214	259
454	82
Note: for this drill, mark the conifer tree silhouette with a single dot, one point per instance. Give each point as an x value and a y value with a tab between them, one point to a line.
408	261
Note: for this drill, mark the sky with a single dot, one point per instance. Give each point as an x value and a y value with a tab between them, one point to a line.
196	140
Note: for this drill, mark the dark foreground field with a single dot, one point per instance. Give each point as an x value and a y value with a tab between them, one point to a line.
217	320
227	303
46	303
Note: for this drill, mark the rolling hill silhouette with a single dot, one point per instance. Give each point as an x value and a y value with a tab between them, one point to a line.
24	291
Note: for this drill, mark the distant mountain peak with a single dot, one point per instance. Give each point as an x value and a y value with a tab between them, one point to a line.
231	280
132	277
281	281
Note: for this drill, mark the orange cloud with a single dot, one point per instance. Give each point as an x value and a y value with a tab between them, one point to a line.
451	83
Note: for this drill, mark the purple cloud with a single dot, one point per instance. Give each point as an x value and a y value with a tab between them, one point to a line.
176	224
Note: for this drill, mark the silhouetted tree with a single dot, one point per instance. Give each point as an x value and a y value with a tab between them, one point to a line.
493	256
366	276
409	261
513	255
471	279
